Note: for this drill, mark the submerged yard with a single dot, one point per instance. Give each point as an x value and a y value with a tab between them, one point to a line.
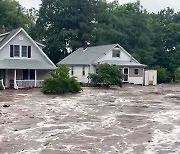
133	119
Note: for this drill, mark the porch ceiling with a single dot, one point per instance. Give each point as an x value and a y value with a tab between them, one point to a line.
24	64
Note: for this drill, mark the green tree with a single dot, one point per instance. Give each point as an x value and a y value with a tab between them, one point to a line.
13	15
106	75
177	74
65	20
163	75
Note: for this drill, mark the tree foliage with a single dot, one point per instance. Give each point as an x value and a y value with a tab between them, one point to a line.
106	75
60	82
65	21
177	74
163	75
13	15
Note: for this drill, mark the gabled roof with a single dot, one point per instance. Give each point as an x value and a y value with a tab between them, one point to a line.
94	53
10	35
80	57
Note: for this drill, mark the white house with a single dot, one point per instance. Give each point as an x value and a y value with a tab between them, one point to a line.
22	61
85	60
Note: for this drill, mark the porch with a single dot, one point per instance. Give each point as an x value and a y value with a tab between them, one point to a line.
22	78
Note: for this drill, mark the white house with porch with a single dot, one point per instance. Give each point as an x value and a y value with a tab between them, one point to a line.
23	64
84	61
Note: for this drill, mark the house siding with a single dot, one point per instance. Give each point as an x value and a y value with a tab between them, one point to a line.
131	72
35	55
77	73
136	79
108	56
42	74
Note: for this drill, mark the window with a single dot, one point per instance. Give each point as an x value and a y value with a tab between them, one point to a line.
16	49
28	74
29	51
32	74
83	70
20	51
126	71
136	71
116	53
25	75
24	51
72	70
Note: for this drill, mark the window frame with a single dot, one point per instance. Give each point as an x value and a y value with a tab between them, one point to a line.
22	51
14	50
114	55
72	70
28	51
135	71
83	71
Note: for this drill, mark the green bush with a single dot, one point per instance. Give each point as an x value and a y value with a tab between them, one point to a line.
177	74
60	82
162	75
106	75
1	85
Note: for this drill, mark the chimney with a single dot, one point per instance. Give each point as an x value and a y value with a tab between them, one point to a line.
85	46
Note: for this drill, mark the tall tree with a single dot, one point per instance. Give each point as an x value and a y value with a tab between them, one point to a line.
65	20
12	15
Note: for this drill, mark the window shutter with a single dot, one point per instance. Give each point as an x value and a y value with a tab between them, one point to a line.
29	51
11	51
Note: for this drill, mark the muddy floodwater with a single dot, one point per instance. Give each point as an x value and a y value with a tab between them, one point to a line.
128	120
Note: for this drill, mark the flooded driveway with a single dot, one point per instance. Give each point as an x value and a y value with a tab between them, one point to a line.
131	120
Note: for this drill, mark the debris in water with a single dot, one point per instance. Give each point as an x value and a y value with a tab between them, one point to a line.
6	105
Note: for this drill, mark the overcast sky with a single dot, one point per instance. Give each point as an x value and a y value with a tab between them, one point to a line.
150	5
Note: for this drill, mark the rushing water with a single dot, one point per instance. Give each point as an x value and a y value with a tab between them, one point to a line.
133	119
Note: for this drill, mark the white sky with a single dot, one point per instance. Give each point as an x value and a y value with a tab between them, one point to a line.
150	5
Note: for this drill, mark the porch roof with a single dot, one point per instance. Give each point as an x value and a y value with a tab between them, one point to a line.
24	64
122	63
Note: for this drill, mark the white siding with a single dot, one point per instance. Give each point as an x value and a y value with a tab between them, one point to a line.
35	53
92	69
136	80
108	56
150	77
78	73
42	74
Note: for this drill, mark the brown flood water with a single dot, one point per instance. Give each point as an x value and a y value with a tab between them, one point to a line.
128	120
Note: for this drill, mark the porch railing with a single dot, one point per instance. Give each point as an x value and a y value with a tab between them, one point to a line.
2	82
29	83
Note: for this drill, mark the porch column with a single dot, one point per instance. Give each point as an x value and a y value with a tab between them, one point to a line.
35	84
15	85
6	78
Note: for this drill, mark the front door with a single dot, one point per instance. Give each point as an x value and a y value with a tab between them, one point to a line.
2	75
126	74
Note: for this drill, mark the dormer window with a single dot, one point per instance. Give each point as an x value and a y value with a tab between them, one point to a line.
116	53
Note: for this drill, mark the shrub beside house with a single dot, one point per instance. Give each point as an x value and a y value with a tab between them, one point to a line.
106	75
60	82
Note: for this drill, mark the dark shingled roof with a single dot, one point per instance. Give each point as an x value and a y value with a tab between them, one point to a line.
80	57
24	64
11	34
